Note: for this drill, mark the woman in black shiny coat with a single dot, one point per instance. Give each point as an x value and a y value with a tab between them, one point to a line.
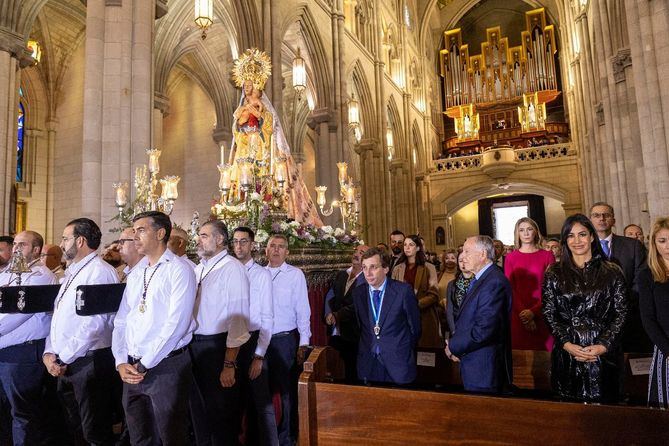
584	304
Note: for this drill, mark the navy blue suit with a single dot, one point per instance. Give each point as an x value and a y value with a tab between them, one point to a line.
400	331
480	337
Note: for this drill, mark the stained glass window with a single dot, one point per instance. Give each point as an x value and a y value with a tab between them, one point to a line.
19	142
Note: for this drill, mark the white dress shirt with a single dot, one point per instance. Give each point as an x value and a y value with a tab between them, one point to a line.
167	321
261	311
222	304
291	301
71	335
18	328
189	261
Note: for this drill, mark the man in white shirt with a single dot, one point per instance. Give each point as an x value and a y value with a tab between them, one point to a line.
178	244
221	313
152	330
129	254
77	349
52	258
291	324
252	357
21	345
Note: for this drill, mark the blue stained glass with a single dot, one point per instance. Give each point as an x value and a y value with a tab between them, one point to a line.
19	144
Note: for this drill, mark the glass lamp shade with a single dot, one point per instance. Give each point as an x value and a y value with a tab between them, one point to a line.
154	156
169	187
120	194
204	13
280	171
353	112
245	173
299	73
225	180
342	172
320	199
390	142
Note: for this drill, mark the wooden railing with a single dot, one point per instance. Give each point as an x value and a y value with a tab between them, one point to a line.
337	414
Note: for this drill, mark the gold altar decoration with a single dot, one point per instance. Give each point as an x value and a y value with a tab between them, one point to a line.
18	266
467	123
146	191
500	73
253	65
532	114
349	199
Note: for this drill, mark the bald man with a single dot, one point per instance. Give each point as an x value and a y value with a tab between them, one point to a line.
128	251
178	244
52	258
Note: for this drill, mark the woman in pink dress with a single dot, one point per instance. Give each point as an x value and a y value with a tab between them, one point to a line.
525	268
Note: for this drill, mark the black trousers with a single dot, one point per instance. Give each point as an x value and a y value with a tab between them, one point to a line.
256	393
281	356
215	410
22	379
156	409
86	391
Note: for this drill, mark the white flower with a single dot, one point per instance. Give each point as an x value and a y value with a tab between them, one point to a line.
310	238
327	229
261	236
255	196
284	226
339	232
294	224
331	239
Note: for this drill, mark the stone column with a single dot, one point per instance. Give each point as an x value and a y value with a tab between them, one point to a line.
51	125
371	205
13	55
161	108
118	100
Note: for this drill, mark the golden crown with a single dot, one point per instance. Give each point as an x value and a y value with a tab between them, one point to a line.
253	65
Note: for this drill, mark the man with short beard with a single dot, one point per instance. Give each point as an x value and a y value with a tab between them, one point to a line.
222	313
252	355
397	248
128	253
77	349
21	345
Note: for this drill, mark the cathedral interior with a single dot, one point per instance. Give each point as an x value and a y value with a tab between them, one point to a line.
444	110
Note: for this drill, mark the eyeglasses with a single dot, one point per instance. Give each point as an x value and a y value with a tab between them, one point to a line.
121	241
242	242
605	216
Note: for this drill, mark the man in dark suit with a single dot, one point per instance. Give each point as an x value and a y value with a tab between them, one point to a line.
339	312
630	255
389	320
480	336
397	248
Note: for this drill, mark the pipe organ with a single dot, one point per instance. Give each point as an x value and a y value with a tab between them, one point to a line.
500	73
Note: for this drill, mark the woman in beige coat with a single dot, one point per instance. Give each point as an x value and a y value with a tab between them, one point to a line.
412	268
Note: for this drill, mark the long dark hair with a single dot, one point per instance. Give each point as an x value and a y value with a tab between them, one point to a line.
421	258
596	248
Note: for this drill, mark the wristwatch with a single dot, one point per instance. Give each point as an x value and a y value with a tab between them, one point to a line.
230	364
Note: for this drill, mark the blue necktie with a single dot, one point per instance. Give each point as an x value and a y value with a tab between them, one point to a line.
471	284
605	248
376	297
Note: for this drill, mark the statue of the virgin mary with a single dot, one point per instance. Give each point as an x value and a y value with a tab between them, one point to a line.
258	135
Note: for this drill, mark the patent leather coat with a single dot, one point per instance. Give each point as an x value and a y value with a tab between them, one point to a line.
586	307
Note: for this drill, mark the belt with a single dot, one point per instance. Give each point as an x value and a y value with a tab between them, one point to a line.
132	360
199	337
284	333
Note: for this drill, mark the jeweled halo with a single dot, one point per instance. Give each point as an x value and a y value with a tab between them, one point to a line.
253	65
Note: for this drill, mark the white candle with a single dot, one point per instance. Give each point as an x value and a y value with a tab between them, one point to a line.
222	153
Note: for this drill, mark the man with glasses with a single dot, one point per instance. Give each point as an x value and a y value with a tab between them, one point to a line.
78	349
389	318
630	255
252	356
292	328
221	313
128	252
21	347
52	258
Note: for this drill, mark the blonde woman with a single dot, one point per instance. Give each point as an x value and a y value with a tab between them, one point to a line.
413	268
525	268
654	306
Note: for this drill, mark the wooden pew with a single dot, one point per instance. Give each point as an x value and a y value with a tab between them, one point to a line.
337	414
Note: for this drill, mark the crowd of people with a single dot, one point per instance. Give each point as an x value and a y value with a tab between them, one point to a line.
587	297
193	347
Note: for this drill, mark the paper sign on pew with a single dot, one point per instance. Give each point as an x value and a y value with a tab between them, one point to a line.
426	359
640	366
